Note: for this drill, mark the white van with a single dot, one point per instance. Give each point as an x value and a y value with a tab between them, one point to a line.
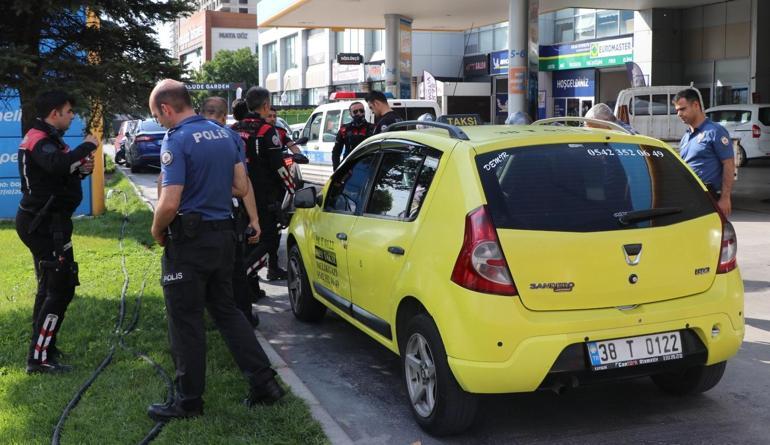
325	121
750	124
650	111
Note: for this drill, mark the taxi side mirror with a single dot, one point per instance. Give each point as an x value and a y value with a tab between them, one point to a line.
305	198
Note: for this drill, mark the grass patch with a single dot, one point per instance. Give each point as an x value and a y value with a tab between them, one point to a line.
113	410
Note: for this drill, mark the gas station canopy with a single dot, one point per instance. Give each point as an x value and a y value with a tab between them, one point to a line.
427	15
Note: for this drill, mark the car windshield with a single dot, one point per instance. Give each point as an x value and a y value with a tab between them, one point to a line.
149	126
589	187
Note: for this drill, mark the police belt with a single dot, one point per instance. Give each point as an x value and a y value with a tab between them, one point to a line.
219	225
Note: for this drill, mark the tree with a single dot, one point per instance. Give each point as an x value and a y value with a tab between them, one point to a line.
45	44
240	66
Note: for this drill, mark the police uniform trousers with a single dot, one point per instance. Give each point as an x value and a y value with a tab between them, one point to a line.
56	274
243	294
196	274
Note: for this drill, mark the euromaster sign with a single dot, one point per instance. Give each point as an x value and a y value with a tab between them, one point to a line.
589	54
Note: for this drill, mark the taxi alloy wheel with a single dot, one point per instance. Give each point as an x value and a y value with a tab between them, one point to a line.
304	306
439	404
420	375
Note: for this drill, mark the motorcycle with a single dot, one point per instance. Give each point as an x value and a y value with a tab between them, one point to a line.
293	181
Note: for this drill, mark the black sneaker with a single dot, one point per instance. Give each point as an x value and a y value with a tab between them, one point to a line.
276	274
163	412
48	368
265	394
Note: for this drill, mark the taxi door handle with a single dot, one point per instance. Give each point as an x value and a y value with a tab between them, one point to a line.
342	236
395	250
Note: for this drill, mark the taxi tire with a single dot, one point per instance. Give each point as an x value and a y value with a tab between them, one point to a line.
455	409
691	381
306	307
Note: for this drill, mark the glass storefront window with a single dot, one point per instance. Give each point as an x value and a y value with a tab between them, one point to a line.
585	27
564	30
626	22
472	43
486	41
289	52
271	58
501	38
606	23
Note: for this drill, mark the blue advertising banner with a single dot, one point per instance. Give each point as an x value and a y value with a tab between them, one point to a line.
10	138
498	63
574	83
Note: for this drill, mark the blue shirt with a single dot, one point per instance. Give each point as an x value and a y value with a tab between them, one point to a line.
200	155
704	149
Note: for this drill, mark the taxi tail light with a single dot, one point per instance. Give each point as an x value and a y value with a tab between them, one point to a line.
481	265
756	132
728	255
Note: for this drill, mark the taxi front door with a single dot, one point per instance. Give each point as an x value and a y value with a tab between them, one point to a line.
335	223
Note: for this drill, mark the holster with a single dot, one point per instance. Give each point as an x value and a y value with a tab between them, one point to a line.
184	226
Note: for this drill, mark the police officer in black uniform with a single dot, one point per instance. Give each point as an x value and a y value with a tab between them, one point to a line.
244	214
50	184
351	134
269	176
200	174
383	115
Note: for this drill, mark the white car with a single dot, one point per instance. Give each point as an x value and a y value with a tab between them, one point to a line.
750	124
322	126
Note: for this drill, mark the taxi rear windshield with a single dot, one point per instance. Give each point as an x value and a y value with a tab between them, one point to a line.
589	187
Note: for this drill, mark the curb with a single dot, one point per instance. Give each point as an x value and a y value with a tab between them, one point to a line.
331	428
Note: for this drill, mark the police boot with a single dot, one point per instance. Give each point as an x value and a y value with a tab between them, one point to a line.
163	412
49	367
265	394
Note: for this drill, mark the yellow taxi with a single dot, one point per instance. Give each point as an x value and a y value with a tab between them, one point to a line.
503	259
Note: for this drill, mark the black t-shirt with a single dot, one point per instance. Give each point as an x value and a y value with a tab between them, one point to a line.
388	118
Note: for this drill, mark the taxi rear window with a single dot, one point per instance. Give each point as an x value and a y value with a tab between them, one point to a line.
589	187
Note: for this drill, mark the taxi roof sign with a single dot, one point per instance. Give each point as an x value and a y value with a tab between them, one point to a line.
461	119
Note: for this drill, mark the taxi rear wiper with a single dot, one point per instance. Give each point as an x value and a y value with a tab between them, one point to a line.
643	215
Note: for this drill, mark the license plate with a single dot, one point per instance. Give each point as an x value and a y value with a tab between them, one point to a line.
633	351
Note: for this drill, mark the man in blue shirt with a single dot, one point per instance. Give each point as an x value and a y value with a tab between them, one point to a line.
706	148
244	213
201	170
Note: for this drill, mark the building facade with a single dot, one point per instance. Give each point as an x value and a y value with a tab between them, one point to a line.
199	37
300	65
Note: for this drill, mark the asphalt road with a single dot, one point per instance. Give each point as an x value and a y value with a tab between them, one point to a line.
358	381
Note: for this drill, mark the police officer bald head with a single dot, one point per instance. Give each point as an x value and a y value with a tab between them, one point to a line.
258	100
214	108
170	103
55	108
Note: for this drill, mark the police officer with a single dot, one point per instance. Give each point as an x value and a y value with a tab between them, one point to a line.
706	148
283	135
269	176
50	185
351	134
244	214
383	115
200	170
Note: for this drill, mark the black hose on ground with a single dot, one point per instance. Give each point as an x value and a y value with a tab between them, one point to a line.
156	429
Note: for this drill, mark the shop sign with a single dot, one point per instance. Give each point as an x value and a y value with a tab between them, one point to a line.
576	83
498	62
350	59
598	53
211	86
476	65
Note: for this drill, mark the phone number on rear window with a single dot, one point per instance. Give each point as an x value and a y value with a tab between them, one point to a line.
624	152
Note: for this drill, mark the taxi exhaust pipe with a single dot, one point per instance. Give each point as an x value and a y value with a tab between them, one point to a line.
561	385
